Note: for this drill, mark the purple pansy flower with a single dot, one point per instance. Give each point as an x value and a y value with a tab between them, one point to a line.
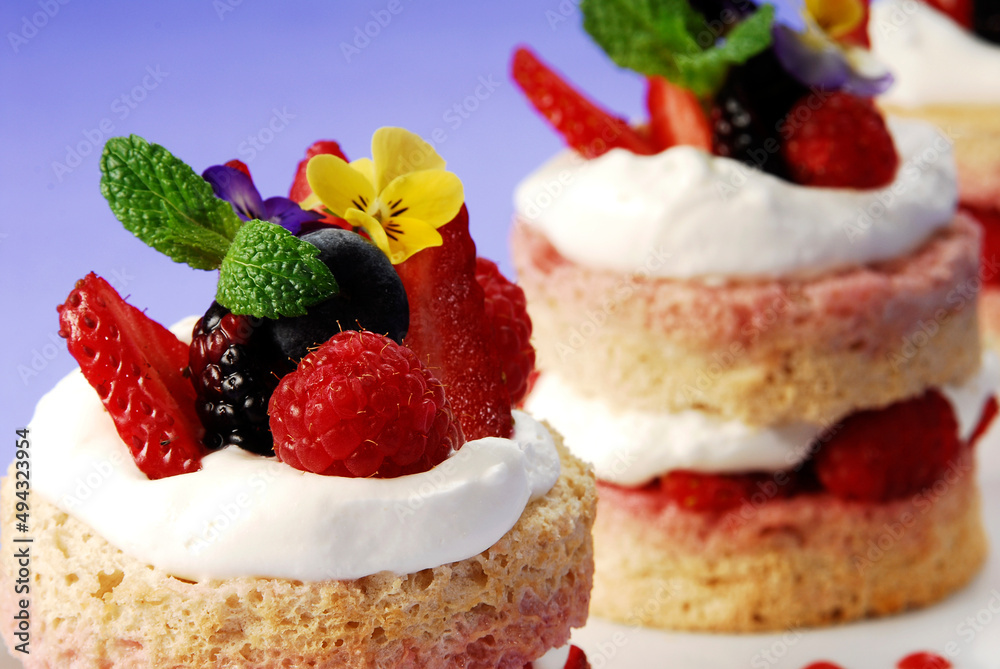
236	188
806	44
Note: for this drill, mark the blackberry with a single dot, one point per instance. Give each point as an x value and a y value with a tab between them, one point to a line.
371	296
749	111
986	19
234	369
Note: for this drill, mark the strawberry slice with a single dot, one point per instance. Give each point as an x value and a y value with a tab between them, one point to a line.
675	116
137	368
989	220
576	659
451	333
585	126
960	11
885	454
300	189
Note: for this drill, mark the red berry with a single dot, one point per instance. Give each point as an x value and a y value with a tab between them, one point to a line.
923	660
241	166
300	189
137	368
841	143
362	405
695	491
823	665
585	126
675	116
859	36
576	659
507	310
450	332
890	453
989	221
960	11
985	420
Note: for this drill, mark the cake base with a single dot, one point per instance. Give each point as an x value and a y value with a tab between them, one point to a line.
94	606
783	564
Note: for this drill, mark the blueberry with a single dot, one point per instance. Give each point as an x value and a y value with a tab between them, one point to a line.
371	296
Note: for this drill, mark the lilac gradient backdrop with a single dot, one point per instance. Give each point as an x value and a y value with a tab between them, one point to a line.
201	78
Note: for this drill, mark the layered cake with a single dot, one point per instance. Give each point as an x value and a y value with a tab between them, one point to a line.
945	57
316	472
756	316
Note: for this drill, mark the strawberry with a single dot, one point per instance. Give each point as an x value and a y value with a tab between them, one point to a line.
859	36
989	221
985	420
576	659
585	126
960	11
300	189
137	368
362	405
694	491
239	165
507	310
450	332
886	454
844	143
923	660
675	116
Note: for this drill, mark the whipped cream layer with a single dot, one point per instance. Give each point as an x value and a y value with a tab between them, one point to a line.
247	515
686	214
631	447
933	59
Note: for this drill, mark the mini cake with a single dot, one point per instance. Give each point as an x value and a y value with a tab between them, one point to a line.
945	58
756	316
284	481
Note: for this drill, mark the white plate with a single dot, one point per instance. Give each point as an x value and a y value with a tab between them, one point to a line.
967	624
964	628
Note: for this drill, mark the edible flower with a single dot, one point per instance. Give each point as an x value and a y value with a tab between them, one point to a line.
399	197
815	48
231	182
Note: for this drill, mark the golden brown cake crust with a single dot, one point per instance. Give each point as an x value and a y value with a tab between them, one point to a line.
765	352
94	606
801	562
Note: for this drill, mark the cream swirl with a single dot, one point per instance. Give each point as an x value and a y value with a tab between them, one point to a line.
686	214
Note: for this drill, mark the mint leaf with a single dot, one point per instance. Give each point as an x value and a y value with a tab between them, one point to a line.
665	38
165	203
269	272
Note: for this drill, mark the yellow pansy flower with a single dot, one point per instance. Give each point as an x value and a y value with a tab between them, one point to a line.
399	197
836	17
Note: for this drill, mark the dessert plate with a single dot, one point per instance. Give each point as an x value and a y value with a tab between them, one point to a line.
965	628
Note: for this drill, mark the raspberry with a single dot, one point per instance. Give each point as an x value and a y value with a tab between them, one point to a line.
234	371
362	405
507	310
989	221
451	334
137	368
695	491
886	454
842	143
585	126
675	116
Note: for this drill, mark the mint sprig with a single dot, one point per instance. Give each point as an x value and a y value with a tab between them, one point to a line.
163	202
265	271
269	272
665	37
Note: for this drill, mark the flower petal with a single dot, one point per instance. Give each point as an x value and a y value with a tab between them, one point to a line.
360	219
288	214
817	61
408	236
366	167
397	151
339	186
236	188
836	17
433	196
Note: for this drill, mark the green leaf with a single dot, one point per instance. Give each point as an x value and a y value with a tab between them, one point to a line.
668	38
269	272
163	202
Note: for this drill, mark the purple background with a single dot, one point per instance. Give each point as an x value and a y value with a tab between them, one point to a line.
227	70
